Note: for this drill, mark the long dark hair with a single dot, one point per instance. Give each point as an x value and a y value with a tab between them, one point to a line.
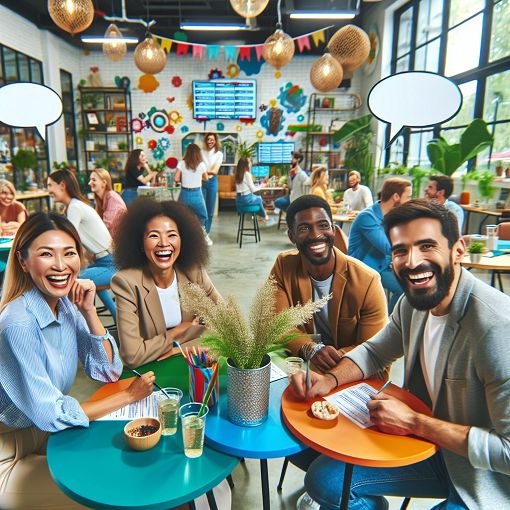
192	156
71	183
243	166
133	159
130	234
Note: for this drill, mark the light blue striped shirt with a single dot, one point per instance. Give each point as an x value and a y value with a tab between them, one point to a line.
38	361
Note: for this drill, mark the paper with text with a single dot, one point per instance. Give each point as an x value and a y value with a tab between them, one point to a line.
352	403
276	373
145	408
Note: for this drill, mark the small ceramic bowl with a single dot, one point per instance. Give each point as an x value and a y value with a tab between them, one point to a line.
135	429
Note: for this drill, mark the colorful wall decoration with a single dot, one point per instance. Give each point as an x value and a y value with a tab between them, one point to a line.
292	97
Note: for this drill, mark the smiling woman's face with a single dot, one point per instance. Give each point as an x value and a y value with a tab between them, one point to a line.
161	243
6	196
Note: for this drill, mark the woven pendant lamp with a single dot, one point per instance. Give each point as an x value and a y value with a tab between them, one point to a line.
350	46
248	8
278	49
73	16
149	57
326	73
115	49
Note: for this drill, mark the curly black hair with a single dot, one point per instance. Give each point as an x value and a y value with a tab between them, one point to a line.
129	239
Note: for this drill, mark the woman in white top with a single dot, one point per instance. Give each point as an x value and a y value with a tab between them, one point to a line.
64	188
213	158
190	173
245	189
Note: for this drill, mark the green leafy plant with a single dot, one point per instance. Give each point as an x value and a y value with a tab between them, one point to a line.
394	168
229	335
358	154
158	166
24	159
476	247
246	150
417	175
484	181
447	158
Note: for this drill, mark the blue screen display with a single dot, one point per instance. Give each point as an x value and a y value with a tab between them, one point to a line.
275	152
260	171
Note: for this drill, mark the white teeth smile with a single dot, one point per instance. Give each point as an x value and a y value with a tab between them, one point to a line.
165	253
56	278
317	247
421	276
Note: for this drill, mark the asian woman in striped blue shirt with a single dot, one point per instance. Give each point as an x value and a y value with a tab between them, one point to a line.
47	323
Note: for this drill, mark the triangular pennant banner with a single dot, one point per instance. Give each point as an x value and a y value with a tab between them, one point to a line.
198	51
213	52
318	37
258	51
245	53
303	42
182	48
166	45
230	53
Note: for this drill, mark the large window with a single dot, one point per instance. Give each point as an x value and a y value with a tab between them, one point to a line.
14	67
66	84
469	42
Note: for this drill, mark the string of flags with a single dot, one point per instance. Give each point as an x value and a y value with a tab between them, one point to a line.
245	52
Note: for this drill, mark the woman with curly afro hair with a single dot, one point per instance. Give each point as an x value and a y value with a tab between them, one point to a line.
159	247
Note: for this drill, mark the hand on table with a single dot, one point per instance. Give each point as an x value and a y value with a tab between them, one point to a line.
391	416
326	358
141	387
319	385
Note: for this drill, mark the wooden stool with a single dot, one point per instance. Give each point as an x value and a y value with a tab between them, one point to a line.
245	231
280	217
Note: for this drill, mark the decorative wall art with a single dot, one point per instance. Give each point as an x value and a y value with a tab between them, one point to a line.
148	83
176	81
292	97
159	120
232	70
375	44
272	121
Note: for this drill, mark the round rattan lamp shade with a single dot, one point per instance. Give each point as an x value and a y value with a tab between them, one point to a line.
278	49
326	73
73	16
350	46
149	57
115	49
248	8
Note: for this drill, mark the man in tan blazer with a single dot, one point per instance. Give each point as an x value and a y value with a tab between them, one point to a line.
357	309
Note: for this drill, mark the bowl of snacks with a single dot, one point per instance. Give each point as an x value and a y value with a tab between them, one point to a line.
142	433
323	410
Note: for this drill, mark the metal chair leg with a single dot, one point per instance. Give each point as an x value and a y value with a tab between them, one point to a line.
282	475
230	481
239	228
405	503
242	231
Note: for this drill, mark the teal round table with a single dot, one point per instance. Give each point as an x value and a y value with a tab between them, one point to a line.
95	467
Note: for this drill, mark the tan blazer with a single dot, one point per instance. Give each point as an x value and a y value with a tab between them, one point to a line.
143	336
357	310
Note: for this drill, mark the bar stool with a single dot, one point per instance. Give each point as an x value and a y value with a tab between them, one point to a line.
245	231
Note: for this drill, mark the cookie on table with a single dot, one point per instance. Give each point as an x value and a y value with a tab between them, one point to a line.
323	410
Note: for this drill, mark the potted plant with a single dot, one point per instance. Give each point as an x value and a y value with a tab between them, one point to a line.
26	161
485	188
246	150
476	250
499	168
246	344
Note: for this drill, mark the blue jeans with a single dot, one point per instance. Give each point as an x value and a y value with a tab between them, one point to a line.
282	203
250	200
195	201
426	479
210	192
101	273
389	281
129	194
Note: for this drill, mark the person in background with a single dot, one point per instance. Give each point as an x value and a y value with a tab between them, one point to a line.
452	331
368	241
245	189
136	165
297	183
213	158
64	189
12	212
191	171
319	181
439	190
109	204
357	197
48	324
160	247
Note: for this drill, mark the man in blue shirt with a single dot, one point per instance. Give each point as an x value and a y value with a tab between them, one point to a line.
439	190
368	241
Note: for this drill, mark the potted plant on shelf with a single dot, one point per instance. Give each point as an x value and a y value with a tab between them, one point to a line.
476	250
246	344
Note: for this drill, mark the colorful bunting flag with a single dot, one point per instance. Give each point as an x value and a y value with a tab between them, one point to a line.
213	52
245	53
303	42
230	53
258	51
319	37
182	48
166	44
198	51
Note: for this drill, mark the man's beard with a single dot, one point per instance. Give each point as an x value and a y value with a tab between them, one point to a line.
427	299
303	249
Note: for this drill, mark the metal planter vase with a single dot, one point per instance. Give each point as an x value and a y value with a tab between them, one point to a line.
248	393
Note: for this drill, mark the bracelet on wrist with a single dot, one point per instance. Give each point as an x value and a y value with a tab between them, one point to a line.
309	350
337	384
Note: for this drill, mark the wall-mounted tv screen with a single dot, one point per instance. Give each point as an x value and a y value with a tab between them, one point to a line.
260	171
224	99
275	152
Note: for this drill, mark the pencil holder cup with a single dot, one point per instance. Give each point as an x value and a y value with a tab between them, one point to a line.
199	378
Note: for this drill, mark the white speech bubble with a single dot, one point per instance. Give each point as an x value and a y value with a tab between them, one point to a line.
414	99
29	105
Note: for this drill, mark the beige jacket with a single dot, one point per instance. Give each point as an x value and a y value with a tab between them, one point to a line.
143	336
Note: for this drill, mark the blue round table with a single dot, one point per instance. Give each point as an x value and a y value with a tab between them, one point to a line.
95	467
266	441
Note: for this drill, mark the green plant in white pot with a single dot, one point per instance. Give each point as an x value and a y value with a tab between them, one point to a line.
476	250
246	344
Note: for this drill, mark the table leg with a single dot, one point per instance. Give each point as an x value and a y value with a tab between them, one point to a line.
266	505
191	505
346	489
211	500
466	223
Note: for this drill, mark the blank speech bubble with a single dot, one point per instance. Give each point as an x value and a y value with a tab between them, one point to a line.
414	99
29	105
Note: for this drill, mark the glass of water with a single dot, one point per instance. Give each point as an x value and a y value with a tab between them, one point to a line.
168	410
193	428
293	364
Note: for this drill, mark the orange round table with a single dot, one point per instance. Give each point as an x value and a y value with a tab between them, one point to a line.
343	440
